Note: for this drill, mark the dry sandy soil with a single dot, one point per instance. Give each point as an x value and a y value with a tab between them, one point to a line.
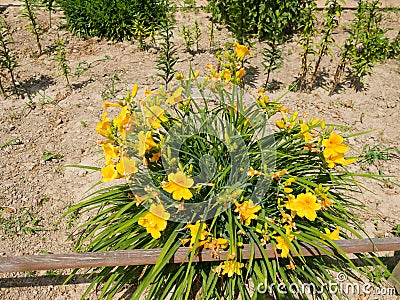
36	190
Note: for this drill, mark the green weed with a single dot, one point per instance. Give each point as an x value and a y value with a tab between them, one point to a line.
24	221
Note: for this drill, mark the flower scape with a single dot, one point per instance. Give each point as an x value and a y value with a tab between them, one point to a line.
286	188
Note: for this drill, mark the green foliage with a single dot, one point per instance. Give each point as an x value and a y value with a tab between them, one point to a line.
30	13
113	19
167	53
365	46
394	47
289	162
307	36
191	35
8	58
24	221
258	18
83	66
377	153
49	5
61	58
332	14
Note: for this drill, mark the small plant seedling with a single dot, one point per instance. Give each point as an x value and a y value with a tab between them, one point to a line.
109	91
140	32
48	156
306	42
375	154
331	22
61	58
187	36
8	59
29	12
49	5
396	230
167	59
14	141
83	66
365	46
21	222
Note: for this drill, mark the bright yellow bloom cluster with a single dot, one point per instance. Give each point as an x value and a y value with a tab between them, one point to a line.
334	151
178	185
229	267
247	211
304	205
155	220
230	68
334	235
282	244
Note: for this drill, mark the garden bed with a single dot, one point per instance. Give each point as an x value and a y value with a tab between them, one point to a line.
56	128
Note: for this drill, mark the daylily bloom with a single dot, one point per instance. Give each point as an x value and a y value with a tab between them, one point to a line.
146	143
247	211
155	221
241	51
253	172
123	118
334	235
175	97
231	267
305	133
338	160
104	127
194	231
305	205
154	116
334	145
178	185
108	104
110	152
109	173
240	74
126	166
282	244
278	174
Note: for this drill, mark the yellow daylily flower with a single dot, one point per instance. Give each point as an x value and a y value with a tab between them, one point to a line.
146	143
194	231
247	211
240	74
305	205
110	152
104	127
334	235
123	118
334	145
304	132
338	160
109	173
231	267
154	116
252	172
107	104
178	185
134	90
282	244
176	96
126	166
155	221
241	51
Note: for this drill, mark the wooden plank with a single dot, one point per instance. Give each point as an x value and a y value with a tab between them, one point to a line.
150	256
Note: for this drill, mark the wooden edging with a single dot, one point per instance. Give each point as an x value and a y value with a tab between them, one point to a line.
150	256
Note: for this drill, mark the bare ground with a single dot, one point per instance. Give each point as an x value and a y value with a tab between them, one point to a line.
61	121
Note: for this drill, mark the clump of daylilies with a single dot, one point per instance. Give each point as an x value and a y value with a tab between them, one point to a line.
171	168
